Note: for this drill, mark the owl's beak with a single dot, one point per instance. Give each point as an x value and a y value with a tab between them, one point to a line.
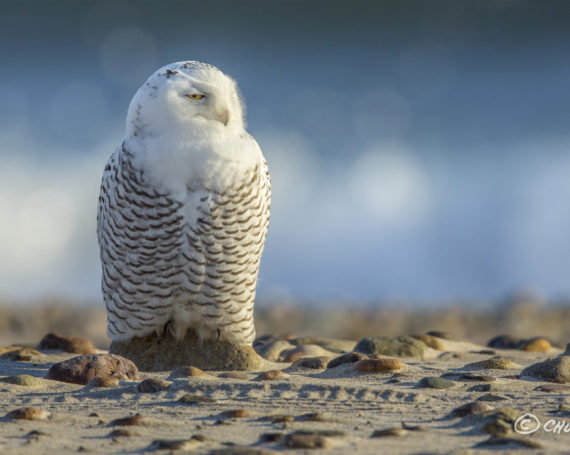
223	116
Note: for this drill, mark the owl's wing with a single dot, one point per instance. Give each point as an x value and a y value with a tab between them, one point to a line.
140	232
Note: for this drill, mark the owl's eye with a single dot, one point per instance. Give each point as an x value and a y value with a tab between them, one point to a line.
195	96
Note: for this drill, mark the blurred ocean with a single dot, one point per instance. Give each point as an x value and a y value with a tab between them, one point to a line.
418	150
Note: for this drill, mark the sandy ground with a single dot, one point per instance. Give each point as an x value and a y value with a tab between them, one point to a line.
342	405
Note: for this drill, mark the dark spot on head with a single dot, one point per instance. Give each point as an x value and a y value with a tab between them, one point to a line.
169	73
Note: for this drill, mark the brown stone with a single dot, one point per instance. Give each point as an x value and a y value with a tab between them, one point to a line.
23	355
241	375
195	399
159	353
349	357
376	365
103	382
536	345
75	345
137	419
152	385
315	363
306	441
494	363
552	370
29	413
271	375
236	413
121	432
469	409
389	432
188	371
80	370
429	340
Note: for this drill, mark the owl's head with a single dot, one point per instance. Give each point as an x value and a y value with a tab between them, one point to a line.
185	96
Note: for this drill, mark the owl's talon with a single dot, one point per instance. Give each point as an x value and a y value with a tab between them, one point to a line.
166	329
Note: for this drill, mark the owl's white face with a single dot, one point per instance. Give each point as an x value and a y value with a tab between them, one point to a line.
183	97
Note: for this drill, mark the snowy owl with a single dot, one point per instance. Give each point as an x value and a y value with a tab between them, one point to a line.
183	211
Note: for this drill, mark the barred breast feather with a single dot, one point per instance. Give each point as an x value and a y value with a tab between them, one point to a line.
184	260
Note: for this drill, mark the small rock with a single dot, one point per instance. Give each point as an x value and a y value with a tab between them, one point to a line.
195	399
316	417
478	377
305	350
389	432
552	370
23	380
67	344
401	346
469	409
376	365
28	413
494	363
505	342
241	375
236	413
500	422
408	426
80	370
433	382
99	382
137	419
315	363
306	441
484	352
24	355
272	351
536	345
553	388
171	444
152	385
429	340
349	357
499	441
188	371
279	418
121	432
7	349
330	344
271	375
267	438
35	435
492	397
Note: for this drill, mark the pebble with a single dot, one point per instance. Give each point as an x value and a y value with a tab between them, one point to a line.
29	413
271	375
195	399
272	351
376	365
401	346
236	413
492	397
536	345
469	409
552	370
267	438
80	370
499	441
7	349
171	444
434	382
306	441
24	355
152	385
315	363
23	380
389	432
505	342
103	382
188	371
478	377
411	427
494	363
316	417
500	422
279	418
553	388
242	450
55	341
305	350
349	357
137	419
122	432
429	340
241	375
